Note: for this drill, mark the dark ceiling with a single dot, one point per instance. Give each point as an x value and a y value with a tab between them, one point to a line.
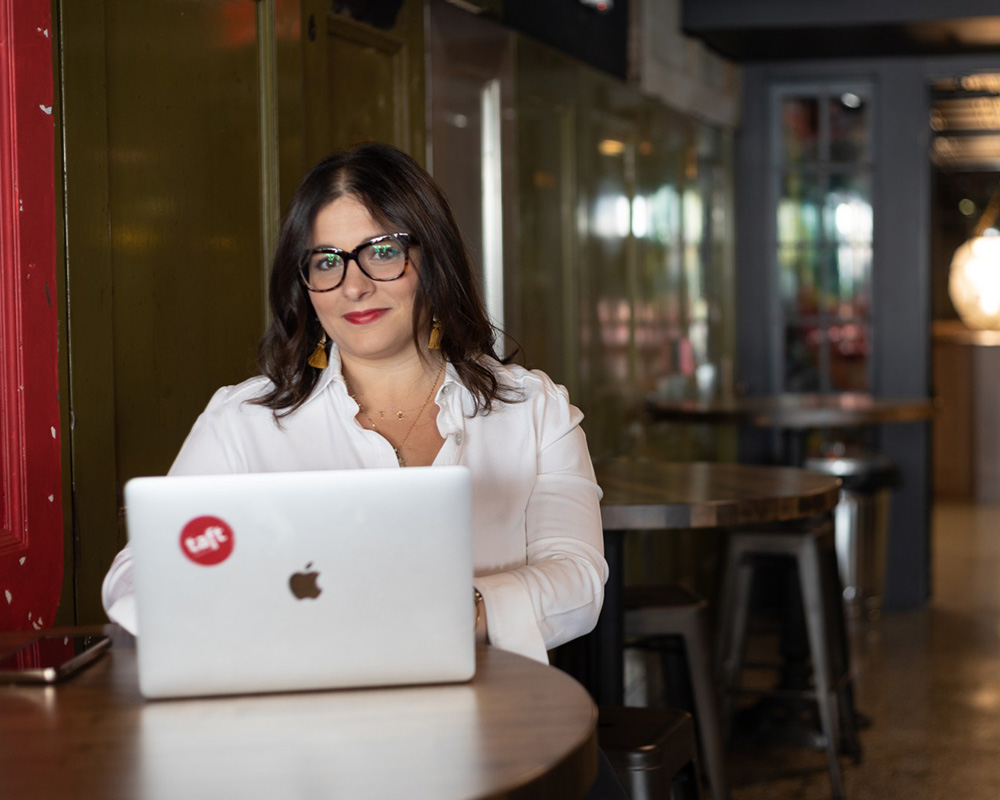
941	37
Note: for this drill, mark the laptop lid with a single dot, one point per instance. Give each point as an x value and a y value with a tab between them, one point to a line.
308	580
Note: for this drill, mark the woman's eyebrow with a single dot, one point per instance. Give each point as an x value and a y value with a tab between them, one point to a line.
349	249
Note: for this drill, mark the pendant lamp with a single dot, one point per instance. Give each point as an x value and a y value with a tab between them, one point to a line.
974	283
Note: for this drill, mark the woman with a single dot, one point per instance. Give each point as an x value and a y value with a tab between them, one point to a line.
380	354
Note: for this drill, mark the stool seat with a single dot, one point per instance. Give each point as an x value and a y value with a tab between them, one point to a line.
652	750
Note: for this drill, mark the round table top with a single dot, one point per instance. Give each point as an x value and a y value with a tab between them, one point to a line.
843	410
655	494
518	729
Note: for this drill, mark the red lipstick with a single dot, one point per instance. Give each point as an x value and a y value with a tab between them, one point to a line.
365	317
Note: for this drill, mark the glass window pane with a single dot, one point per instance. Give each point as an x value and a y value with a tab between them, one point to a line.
802	359
799	208
824	238
849	357
693	210
848	127
664	209
799	280
799	128
698	337
828	299
850	281
847	208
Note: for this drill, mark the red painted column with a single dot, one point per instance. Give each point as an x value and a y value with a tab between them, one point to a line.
30	474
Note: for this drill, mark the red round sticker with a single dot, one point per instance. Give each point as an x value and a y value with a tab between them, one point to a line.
207	540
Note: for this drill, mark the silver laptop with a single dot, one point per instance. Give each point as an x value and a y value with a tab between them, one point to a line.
307	580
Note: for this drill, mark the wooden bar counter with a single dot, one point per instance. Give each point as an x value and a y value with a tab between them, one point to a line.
520	730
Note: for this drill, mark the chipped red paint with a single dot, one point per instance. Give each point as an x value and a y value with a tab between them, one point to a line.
30	474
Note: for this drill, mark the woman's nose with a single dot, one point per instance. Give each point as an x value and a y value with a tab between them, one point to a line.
356	284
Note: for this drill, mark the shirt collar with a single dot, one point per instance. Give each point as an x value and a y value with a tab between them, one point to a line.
331	375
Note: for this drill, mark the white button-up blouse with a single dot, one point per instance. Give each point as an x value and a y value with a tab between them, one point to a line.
538	545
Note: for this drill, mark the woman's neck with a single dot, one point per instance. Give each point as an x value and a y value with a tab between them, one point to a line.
391	383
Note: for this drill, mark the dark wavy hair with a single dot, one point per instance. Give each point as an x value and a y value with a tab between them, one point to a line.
402	196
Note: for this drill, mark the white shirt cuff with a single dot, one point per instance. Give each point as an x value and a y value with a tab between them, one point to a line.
510	616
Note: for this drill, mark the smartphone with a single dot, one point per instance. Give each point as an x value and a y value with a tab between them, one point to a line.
52	658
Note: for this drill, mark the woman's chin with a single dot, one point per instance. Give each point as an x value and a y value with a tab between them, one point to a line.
371	350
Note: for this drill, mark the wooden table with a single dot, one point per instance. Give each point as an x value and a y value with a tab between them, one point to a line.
796	414
520	729
843	410
650	495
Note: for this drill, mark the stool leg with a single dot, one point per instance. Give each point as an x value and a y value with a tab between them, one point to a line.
707	716
687	785
724	622
733	630
849	743
817	624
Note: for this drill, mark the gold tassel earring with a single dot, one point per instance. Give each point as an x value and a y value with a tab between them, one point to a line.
318	358
436	333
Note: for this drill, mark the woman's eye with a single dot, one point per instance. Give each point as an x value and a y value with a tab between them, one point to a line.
327	261
384	252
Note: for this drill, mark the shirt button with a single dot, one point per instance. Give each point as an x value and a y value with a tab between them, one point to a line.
458	439
446	390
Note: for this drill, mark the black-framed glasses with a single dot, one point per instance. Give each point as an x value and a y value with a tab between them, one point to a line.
383	258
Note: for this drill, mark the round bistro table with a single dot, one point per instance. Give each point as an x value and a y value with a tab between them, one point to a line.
519	729
652	495
842	410
796	414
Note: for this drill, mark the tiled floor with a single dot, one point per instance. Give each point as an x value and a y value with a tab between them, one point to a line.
930	682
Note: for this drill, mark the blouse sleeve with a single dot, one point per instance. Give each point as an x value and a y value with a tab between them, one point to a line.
558	594
205	451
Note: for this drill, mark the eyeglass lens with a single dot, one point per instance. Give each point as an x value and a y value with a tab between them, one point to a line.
383	259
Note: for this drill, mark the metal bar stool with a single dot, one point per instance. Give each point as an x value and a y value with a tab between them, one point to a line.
655	618
652	750
810	545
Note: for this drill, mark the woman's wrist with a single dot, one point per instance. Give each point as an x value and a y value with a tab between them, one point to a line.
482	636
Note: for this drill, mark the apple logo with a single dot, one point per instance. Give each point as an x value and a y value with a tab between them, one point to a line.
303	584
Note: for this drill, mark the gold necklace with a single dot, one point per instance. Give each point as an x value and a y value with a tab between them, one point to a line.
381	412
397	449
